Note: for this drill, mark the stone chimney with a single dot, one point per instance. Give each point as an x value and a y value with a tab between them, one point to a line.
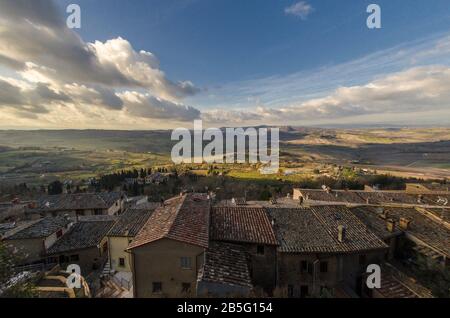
341	233
390	225
326	188
383	214
404	223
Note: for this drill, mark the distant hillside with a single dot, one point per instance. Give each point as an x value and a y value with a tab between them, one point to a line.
133	141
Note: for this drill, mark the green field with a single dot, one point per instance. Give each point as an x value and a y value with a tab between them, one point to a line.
37	157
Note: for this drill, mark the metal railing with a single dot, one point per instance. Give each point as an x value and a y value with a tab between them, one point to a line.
122	282
39	267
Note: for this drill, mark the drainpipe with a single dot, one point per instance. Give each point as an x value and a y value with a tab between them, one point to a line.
314	275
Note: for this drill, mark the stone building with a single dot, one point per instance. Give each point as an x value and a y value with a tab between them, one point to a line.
169	250
85	244
122	234
76	204
322	249
32	240
250	228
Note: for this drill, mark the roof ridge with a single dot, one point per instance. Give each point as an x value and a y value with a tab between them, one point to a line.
166	232
100	197
177	212
324	224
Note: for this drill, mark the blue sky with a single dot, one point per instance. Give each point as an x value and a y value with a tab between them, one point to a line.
215	42
253	59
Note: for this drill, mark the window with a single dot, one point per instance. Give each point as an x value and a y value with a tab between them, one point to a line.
325	291
59	233
121	261
323	267
52	260
306	267
185	262
290	291
260	250
304	291
310	268
80	212
157	287
98	212
186	287
74	258
303	266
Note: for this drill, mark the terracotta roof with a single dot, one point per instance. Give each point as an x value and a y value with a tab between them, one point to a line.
424	228
40	229
81	235
130	222
343	196
226	263
315	230
391	287
242	224
376	197
183	218
441	213
76	201
397	284
370	216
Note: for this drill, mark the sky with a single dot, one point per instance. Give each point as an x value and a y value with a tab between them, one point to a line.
159	64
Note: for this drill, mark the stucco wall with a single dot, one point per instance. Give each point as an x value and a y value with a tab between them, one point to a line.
263	267
342	268
30	250
159	261
117	246
88	257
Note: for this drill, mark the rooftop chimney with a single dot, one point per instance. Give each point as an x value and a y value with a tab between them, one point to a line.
404	223
341	233
390	225
383	213
326	188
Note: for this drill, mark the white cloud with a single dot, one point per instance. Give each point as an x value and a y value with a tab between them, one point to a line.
300	9
63	82
415	90
148	106
50	59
